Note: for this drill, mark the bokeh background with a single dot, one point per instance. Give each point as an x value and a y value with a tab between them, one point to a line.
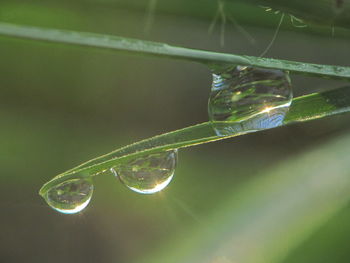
61	105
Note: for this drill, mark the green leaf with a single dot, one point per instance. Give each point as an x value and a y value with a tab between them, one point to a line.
127	45
304	108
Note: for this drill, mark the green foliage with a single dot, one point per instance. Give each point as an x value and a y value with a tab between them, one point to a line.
304	108
265	217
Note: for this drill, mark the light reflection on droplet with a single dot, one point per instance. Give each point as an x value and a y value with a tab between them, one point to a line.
148	174
246	99
71	196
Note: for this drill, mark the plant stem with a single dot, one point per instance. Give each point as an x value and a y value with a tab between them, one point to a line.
135	46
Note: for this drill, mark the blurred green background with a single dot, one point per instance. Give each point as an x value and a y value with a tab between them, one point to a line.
61	105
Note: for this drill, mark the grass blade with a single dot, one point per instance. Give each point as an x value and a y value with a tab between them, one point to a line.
304	108
136	46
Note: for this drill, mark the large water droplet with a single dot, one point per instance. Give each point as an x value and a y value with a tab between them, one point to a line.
148	174
246	99
71	196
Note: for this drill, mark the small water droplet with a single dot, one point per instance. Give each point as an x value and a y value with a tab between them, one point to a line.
71	196
148	174
246	99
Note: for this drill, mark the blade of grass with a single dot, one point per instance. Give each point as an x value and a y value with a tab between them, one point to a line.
304	108
136	46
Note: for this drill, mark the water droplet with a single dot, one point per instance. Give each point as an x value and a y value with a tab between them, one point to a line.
148	174
71	196
246	99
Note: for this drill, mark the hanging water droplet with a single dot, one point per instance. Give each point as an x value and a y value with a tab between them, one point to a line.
148	174
71	196
246	99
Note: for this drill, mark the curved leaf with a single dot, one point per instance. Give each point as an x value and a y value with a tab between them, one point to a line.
304	108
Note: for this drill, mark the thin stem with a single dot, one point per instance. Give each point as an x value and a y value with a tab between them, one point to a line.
151	9
274	37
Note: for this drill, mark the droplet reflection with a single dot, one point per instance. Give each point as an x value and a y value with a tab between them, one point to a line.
246	99
148	174
71	196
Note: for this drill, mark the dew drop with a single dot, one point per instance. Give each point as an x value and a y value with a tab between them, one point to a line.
148	174
71	196
247	99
